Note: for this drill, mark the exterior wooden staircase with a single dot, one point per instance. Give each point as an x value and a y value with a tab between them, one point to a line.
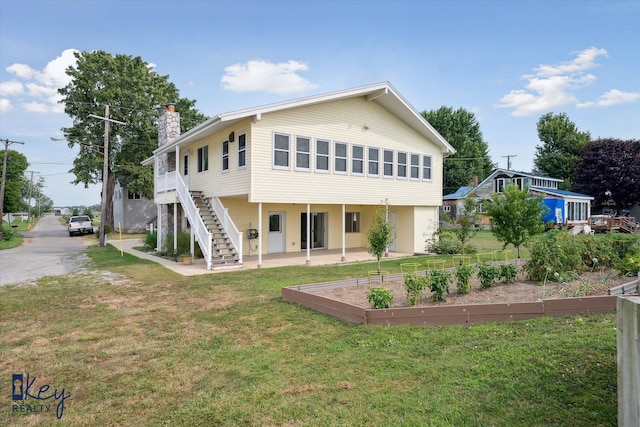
223	253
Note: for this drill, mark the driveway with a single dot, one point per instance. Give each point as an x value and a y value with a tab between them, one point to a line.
47	251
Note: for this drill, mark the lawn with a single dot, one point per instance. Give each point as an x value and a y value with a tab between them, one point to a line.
135	344
18	226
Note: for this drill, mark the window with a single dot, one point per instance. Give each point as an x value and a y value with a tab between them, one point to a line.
426	168
225	156
281	151
519	182
242	151
134	196
446	208
415	166
387	168
402	165
340	159
374	162
303	153
577	211
352	222
203	158
322	156
499	184
185	170
357	160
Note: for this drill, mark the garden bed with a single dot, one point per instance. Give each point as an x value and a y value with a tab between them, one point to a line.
501	302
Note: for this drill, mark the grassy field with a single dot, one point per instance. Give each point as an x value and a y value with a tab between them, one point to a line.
135	344
16	240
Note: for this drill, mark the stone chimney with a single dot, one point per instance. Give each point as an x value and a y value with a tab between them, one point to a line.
168	130
168	125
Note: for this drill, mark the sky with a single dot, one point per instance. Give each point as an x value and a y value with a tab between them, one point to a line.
508	62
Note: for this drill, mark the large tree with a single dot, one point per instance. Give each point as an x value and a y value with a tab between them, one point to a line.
515	216
136	96
561	144
461	129
14	180
609	169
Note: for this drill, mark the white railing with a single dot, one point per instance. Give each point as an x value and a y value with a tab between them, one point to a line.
203	236
166	182
229	226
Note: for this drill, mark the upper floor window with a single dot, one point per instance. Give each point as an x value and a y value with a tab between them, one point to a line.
402	165
500	184
303	153
357	160
134	196
387	168
374	162
242	151
203	158
415	166
225	156
322	156
340	158
185	165
426	168
281	150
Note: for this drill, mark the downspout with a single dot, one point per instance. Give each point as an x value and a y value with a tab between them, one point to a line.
259	234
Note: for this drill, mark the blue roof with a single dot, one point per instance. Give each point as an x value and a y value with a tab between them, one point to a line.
560	193
459	194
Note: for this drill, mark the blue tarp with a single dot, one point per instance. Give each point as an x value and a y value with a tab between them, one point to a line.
556	210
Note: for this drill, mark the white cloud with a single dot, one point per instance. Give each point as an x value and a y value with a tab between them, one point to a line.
553	86
262	76
612	97
5	105
11	88
42	85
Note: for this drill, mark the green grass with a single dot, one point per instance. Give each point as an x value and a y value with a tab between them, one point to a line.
17	239
223	349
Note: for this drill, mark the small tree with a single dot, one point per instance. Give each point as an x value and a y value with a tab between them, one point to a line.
380	233
515	216
466	227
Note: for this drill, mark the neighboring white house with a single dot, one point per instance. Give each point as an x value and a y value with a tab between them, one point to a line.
301	175
131	211
565	207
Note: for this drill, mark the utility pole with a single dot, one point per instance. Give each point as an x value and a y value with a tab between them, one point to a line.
509	156
105	171
29	204
7	143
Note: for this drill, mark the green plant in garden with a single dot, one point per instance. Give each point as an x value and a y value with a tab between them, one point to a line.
463	278
439	282
629	265
380	297
414	286
380	234
508	273
488	274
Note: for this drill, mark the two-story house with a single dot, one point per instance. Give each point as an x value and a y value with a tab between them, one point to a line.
301	175
565	207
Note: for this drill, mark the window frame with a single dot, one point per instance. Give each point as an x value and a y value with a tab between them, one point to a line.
352	222
360	160
413	167
345	158
400	165
386	163
326	156
375	163
303	153
225	156
426	168
276	150
203	158
242	151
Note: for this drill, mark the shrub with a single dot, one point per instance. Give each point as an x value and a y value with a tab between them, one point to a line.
629	265
463	279
508	273
379	297
150	240
7	233
414	286
488	274
439	282
554	251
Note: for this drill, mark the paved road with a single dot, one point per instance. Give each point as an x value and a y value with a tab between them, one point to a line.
47	251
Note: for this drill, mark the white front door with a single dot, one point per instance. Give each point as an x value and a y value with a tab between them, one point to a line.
185	169
393	219
276	236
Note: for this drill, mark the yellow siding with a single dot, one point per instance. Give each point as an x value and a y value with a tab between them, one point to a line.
342	121
425	224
